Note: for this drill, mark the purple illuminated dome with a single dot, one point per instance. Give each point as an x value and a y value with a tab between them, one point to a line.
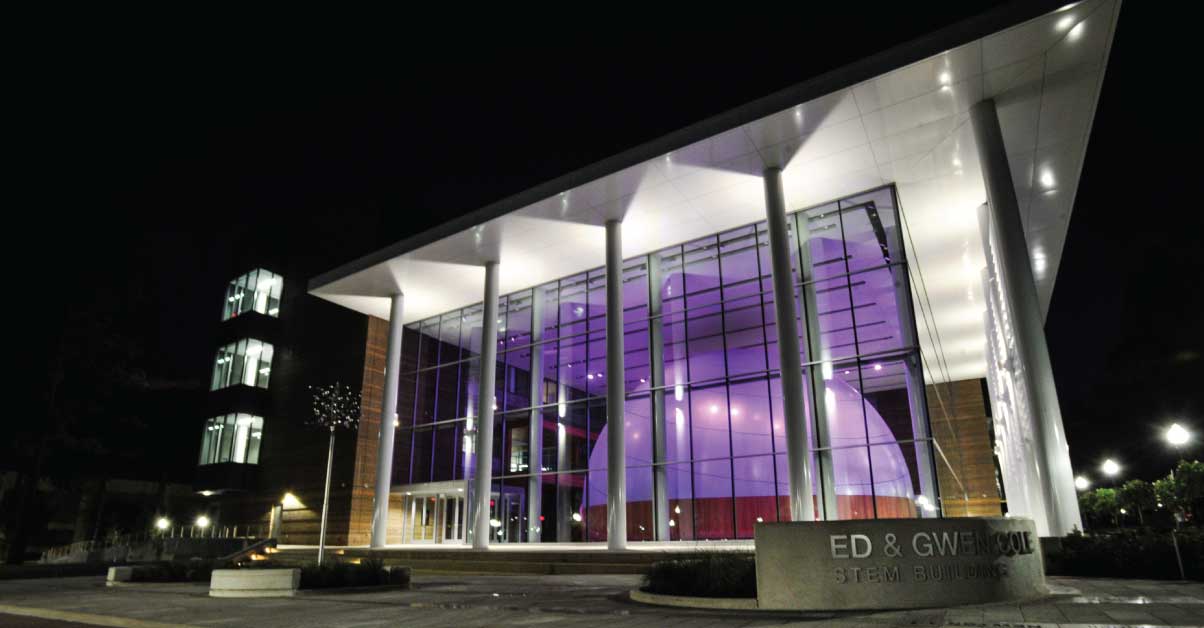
707	512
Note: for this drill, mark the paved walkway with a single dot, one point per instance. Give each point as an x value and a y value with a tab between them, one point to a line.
579	601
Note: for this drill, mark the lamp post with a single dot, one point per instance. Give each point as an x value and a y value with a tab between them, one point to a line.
1082	483
334	406
1110	468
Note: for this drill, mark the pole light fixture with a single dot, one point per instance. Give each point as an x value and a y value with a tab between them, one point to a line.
162	523
1082	483
202	522
1110	468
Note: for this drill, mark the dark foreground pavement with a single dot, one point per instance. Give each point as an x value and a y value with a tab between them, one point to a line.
577	601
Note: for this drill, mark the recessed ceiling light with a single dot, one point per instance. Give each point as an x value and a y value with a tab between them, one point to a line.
945	78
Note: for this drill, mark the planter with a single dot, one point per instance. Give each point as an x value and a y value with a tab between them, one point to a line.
118	575
254	582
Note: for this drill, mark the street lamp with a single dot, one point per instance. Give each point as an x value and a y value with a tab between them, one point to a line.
202	522
162	523
1110	468
1082	483
1177	435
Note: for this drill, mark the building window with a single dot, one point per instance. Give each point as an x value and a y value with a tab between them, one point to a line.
247	362
231	438
258	290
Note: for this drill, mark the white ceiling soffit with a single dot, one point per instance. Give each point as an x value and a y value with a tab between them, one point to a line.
909	126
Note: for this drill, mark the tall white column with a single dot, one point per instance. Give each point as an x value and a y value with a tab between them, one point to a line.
1057	477
656	365
535	428
483	480
388	415
797	447
616	461
818	387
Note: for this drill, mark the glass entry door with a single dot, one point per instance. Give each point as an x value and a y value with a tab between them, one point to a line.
423	519
453	518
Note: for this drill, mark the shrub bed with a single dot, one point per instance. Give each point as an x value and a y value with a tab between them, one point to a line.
1129	554
189	571
366	573
713	575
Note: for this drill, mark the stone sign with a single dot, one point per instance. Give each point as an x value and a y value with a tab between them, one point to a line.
897	563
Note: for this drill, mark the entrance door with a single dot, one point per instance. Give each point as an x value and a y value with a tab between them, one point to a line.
453	518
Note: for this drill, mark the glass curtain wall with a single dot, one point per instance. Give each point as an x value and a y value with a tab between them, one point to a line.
258	290
704	433
231	438
247	362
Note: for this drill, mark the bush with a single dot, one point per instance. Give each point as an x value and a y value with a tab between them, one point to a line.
189	571
713	575
1129	554
336	573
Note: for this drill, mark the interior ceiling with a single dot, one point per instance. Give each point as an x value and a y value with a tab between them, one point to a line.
909	127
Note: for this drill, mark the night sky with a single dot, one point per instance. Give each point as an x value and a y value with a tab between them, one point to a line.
153	159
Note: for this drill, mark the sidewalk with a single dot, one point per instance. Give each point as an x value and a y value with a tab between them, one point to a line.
579	601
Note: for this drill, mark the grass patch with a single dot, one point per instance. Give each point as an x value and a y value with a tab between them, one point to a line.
712	575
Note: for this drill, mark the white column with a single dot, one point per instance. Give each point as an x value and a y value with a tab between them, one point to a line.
388	415
1057	477
616	461
656	364
535	429
797	447
484	461
817	386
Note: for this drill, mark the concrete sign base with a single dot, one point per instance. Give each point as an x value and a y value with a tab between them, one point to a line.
897	563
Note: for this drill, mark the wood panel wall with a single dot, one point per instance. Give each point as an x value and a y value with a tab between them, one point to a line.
961	426
359	528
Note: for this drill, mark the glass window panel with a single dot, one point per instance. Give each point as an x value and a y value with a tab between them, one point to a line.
571	506
878	316
448	392
713	499
445	458
679	485
449	338
595	375
637	434
258	290
639	504
894	495
403	441
420	459
425	394
756	496
854	489
597	300
548	295
821	241
708	414
750	417
677	424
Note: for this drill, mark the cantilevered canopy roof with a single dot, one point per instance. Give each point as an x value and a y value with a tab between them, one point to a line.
901	117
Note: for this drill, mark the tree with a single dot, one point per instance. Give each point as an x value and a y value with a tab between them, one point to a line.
1188	478
1137	495
334	407
1166	496
1099	505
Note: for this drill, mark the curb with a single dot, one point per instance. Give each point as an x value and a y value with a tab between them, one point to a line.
683	601
86	618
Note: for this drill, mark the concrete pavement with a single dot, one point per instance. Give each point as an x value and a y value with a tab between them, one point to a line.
581	601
